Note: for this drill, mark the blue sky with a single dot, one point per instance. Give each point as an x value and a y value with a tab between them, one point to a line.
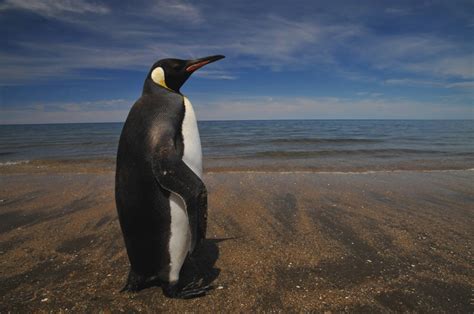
85	61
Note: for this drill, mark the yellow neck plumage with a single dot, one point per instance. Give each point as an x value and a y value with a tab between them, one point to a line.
158	76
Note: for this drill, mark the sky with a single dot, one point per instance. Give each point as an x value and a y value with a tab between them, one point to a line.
65	61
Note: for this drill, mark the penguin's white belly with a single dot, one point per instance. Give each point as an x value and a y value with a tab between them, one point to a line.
192	155
180	239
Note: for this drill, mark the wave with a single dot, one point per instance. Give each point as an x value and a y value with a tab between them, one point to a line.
464	154
283	165
348	172
361	152
13	163
324	141
101	161
6	153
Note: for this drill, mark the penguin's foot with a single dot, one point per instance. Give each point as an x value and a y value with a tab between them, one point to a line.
134	283
174	291
194	285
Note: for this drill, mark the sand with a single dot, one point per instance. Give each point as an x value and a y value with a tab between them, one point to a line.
356	242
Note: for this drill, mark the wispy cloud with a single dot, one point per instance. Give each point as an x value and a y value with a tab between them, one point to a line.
369	94
368	105
450	66
34	116
66	60
397	11
274	39
379	50
108	110
281	43
466	84
329	108
54	8
268	40
422	54
177	10
216	74
413	81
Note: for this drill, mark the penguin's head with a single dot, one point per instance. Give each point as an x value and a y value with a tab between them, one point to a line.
172	73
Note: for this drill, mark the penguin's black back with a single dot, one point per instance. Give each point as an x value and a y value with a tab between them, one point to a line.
143	205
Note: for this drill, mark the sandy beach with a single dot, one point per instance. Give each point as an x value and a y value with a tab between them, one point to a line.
291	241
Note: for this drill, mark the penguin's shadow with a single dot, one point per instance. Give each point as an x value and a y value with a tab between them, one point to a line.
200	267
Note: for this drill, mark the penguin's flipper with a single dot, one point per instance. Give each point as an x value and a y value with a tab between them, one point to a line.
175	176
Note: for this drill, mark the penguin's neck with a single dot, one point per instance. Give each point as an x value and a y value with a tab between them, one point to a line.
156	82
150	87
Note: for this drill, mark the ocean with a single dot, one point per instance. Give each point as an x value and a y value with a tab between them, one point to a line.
273	145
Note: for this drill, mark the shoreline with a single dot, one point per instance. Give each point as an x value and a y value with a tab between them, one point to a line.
101	165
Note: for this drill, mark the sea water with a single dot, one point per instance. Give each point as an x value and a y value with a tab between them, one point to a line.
286	145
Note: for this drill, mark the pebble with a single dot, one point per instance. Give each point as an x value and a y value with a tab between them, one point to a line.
44	300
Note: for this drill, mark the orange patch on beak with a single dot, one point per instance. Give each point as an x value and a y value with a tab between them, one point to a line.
196	66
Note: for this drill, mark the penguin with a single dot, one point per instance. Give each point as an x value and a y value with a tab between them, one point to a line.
160	196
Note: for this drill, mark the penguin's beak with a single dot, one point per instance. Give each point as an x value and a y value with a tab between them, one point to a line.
193	65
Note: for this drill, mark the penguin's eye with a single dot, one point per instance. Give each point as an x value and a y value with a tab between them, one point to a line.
176	67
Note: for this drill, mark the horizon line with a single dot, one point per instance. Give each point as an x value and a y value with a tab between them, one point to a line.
235	120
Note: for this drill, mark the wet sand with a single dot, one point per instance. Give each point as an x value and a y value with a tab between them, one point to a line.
356	242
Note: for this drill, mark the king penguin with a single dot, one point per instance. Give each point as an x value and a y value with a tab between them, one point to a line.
160	196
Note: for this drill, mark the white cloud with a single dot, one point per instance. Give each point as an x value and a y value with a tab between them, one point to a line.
282	44
369	94
36	117
466	84
215	74
418	54
108	110
63	60
275	38
370	106
448	66
177	10
398	11
329	108
413	81
55	8
412	47
252	40
96	105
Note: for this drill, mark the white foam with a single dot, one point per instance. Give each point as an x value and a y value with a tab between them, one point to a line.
12	163
335	172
